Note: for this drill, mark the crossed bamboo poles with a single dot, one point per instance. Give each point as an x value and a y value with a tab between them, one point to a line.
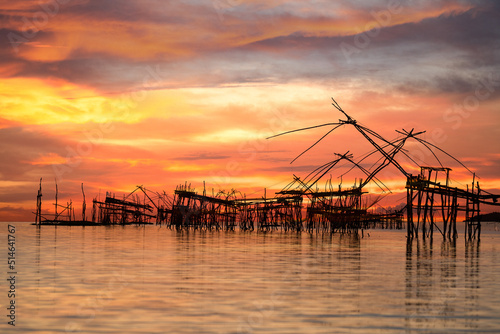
388	149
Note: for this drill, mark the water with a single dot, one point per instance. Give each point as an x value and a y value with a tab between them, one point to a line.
154	280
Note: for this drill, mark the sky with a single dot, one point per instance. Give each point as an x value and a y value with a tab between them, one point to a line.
115	94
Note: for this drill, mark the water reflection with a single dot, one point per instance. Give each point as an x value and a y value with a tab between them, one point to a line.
435	296
471	276
37	270
151	279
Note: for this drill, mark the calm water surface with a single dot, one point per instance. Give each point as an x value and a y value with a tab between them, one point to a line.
155	280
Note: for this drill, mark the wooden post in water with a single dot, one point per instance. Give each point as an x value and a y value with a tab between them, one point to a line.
38	215
409	210
419	207
432	216
55	205
455	205
84	205
478	227
467	213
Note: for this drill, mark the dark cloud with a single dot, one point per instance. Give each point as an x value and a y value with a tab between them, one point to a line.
98	70
462	46
145	11
476	31
202	156
6	49
19	146
16	214
18	193
303	169
404	55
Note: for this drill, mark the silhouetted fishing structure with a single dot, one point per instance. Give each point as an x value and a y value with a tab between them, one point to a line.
266	214
64	217
110	211
432	204
201	211
425	195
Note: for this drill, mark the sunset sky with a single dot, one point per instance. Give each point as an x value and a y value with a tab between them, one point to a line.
116	94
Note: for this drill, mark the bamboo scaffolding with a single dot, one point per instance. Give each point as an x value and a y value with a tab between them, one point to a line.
432	204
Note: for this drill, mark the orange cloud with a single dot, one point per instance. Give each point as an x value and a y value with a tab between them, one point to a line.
49	159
